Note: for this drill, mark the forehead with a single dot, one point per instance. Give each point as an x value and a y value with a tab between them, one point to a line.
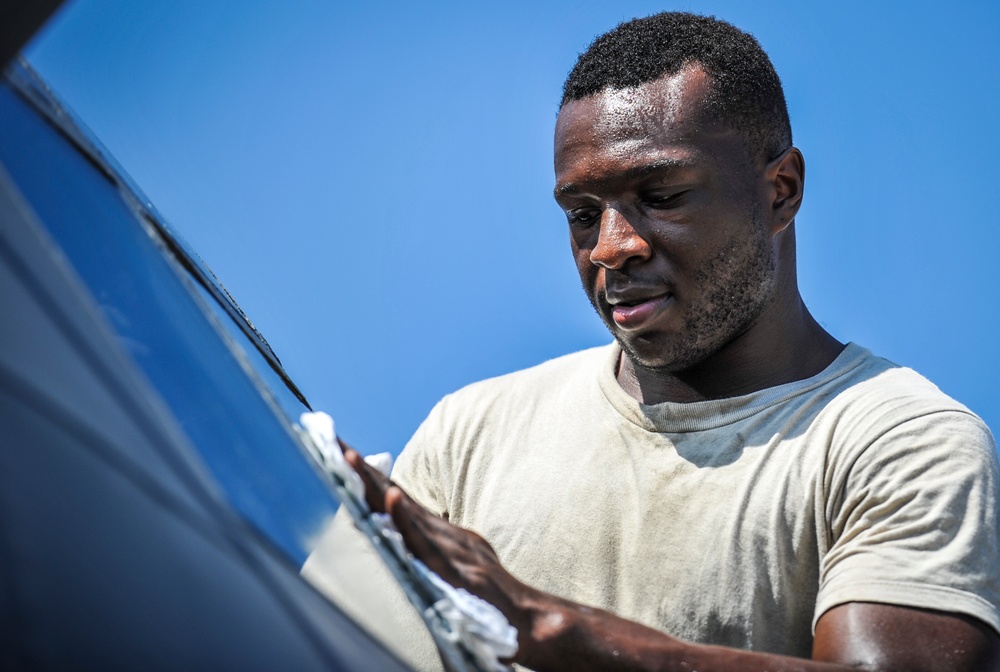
665	119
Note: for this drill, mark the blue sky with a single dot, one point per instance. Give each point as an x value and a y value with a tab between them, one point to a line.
373	183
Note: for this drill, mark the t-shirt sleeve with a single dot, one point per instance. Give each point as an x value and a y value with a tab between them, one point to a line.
916	522
420	467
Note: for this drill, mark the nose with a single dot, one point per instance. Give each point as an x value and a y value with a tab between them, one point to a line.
617	242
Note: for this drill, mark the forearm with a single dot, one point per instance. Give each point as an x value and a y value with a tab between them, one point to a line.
562	635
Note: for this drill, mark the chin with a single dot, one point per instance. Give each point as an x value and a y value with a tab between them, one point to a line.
649	353
663	353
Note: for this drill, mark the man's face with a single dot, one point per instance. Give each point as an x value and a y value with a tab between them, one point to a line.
670	239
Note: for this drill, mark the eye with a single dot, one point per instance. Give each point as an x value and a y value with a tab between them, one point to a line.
583	217
662	201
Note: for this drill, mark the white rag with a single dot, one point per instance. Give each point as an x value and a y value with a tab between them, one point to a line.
479	627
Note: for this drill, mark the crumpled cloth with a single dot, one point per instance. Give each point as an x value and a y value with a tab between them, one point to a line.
381	461
320	428
481	628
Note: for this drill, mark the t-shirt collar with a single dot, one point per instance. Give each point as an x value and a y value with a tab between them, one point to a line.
701	415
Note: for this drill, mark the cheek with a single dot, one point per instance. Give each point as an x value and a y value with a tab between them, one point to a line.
590	275
581	253
688	243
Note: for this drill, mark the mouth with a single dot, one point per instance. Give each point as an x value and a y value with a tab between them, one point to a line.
634	314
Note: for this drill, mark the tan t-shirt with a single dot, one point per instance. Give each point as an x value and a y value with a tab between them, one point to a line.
735	522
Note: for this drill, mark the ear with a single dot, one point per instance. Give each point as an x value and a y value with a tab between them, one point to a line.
786	175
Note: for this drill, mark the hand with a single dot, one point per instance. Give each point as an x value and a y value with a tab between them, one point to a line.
461	557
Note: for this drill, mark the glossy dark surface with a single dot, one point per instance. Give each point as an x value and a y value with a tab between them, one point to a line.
139	450
161	316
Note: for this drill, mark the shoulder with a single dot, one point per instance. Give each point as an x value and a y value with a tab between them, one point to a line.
878	397
911	501
478	422
895	435
528	388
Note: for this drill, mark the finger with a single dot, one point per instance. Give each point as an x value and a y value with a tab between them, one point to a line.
405	517
413	521
432	539
375	482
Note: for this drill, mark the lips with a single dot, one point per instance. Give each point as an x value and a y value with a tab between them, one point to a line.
633	313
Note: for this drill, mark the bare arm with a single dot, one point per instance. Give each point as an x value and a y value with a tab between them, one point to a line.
557	634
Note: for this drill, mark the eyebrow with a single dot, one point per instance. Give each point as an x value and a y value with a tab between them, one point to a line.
633	173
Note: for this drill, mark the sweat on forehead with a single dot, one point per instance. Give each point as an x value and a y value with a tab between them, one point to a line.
681	95
668	117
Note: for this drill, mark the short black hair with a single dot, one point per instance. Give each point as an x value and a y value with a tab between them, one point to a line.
746	93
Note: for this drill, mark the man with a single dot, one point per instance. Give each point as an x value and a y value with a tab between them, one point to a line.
727	486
